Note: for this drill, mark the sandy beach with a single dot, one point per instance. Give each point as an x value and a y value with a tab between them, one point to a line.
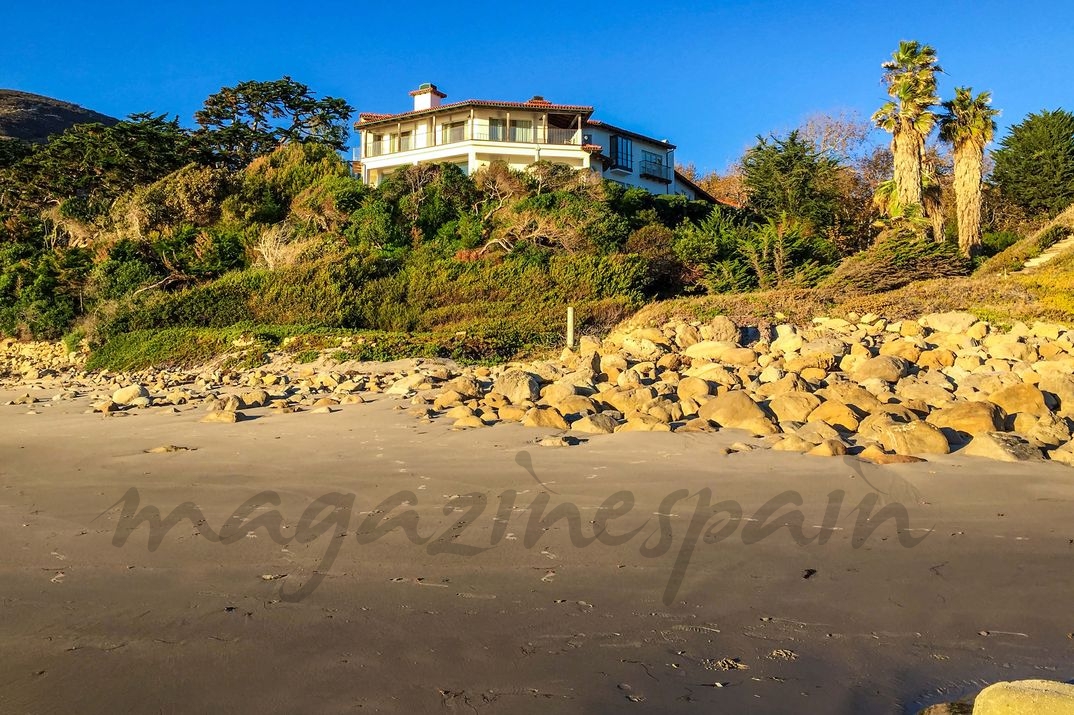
453	611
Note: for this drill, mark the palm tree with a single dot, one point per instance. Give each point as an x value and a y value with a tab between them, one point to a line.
968	124
910	75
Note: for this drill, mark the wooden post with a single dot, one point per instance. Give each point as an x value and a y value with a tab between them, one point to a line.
570	326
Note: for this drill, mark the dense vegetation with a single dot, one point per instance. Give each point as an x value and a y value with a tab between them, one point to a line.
149	240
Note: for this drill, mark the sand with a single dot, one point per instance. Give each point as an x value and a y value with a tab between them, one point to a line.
474	619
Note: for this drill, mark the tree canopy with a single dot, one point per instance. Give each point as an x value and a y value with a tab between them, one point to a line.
250	119
1035	162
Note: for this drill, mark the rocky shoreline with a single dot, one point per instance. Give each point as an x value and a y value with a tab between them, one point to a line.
888	392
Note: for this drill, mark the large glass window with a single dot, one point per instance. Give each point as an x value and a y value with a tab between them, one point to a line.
406	141
454	132
497	130
622	153
521	130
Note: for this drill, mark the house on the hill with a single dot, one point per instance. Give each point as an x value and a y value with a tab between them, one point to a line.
473	133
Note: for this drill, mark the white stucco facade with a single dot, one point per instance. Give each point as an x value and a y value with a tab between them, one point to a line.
474	133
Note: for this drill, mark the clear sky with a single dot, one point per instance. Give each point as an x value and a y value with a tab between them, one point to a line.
708	76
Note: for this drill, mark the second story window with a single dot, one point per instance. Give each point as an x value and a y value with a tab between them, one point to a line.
622	153
406	142
497	130
454	132
521	130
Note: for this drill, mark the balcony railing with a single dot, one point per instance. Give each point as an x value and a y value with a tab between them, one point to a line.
655	170
446	134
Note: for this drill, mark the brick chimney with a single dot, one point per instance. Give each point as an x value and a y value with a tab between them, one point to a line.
427	96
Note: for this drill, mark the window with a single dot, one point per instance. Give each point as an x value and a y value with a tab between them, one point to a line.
406	142
497	130
652	166
622	153
454	132
521	130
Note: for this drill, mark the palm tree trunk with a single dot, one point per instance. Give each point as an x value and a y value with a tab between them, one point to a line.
906	149
968	164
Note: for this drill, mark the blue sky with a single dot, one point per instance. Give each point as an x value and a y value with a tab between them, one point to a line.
709	76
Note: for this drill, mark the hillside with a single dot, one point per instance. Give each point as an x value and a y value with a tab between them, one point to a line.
33	117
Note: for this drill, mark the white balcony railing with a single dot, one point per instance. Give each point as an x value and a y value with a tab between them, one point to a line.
453	134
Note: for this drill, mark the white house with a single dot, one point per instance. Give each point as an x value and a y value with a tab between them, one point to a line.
473	133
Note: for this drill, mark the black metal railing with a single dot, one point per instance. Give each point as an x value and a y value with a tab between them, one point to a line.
655	170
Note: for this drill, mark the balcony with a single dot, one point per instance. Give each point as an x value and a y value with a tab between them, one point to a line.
655	170
453	134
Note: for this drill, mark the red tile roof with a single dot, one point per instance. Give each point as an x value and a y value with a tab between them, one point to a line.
367	118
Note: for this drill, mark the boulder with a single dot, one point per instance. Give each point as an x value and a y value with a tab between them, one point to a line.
835	414
736	409
548	417
793	406
127	395
518	386
911	438
969	418
594	424
888	368
638	422
1025	697
723	328
710	349
223	416
953	322
876	455
1020	398
406	385
792	443
829	448
692	387
1002	446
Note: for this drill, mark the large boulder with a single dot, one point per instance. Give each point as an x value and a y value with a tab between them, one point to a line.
722	328
1003	447
1020	398
953	322
127	395
710	349
912	438
736	409
1025	697
793	406
548	417
594	424
888	368
517	386
969	418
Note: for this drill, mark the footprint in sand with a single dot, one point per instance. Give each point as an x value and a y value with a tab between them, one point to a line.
478	596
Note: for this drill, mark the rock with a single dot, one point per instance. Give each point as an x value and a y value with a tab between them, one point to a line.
517	386
127	395
1002	446
911	438
816	432
1025	697
953	322
322	410
686	335
702	425
407	384
736	409
595	424
554	441
223	416
739	356
792	443
692	387
447	398
905	349
541	416
642	348
723	328
876	455
638	422
883	367
835	414
1020	398
512	413
829	448
969	418
465	385
710	349
468	422
793	406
